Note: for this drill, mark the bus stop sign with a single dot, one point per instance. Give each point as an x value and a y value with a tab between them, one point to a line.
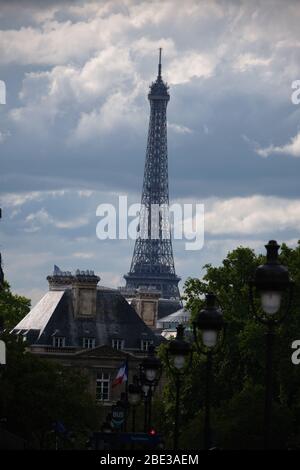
118	416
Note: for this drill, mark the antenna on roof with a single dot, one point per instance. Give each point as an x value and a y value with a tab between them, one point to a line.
159	63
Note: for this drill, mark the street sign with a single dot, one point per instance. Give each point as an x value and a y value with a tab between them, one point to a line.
118	416
2	353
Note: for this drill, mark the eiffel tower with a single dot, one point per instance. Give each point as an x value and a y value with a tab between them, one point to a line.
152	263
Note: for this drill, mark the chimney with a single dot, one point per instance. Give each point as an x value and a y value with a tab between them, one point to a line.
60	280
145	304
84	290
83	285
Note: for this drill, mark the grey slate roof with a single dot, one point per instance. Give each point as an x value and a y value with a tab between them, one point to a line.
40	315
115	318
167	306
180	316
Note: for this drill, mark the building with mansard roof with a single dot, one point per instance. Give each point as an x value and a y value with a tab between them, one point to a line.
78	314
81	324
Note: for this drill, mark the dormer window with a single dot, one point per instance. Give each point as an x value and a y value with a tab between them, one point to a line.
117	344
25	336
145	343
59	341
88	343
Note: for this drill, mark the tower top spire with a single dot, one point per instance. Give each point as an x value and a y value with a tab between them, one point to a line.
159	63
159	89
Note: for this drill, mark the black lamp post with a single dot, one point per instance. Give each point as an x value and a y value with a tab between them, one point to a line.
150	373
179	356
134	398
271	281
106	426
209	321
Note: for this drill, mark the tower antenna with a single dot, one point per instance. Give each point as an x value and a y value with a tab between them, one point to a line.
159	63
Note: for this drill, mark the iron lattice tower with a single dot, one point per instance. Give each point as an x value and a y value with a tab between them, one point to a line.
152	262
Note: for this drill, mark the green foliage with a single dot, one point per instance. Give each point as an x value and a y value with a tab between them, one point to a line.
35	393
239	366
13	307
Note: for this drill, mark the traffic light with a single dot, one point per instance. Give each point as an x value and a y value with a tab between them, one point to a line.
152	432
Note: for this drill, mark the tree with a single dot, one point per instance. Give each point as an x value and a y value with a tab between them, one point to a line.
13	307
36	393
239	367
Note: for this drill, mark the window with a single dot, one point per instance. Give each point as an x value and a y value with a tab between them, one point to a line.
118	343
59	341
102	386
88	343
145	343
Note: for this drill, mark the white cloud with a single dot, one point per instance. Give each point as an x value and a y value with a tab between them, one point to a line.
101	54
57	42
179	128
251	215
42	218
83	255
4	135
292	148
119	109
190	65
111	279
148	47
85	193
98	95
12	200
72	223
18	199
246	61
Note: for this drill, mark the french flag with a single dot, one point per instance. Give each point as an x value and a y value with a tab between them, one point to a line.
122	375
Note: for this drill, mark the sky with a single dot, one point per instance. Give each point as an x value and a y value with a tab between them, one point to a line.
73	131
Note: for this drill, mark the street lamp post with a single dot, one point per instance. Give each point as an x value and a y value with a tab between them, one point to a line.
134	398
209	321
271	281
150	373
146	394
179	356
107	426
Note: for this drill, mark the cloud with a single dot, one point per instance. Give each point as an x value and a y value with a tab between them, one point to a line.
11	200
4	135
56	42
18	199
83	255
292	148
179	128
247	61
252	215
77	76
42	218
190	65
118	110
